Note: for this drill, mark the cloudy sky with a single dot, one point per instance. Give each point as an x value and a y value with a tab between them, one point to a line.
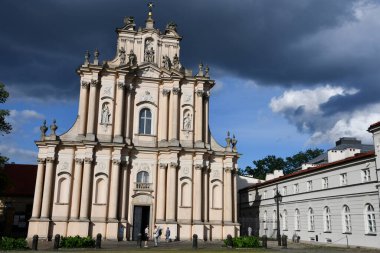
290	74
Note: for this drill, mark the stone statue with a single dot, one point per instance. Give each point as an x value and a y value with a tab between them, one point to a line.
122	55
207	69
233	142
176	62
43	129
131	58
87	57
200	71
151	54
166	62
96	57
228	140
187	121
105	114
53	128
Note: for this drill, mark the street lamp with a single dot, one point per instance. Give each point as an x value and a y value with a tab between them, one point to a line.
278	199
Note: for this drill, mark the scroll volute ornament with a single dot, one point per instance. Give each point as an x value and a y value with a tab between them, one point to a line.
173	165
163	165
228	169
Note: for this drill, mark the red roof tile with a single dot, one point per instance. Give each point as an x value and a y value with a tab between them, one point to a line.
22	179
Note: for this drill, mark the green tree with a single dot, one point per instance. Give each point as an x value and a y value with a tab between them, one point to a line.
288	165
5	128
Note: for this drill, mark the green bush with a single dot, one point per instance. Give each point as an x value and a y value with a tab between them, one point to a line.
77	242
7	243
245	242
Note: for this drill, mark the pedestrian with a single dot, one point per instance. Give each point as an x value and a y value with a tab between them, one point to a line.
157	233
146	236
167	234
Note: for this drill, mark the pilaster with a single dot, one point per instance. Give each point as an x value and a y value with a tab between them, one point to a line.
86	189
119	110
90	135
161	190
37	201
48	188
77	183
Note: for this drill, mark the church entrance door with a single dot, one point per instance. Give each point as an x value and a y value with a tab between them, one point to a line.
141	216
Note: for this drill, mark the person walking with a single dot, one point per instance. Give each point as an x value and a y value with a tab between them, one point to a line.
167	234
157	233
146	236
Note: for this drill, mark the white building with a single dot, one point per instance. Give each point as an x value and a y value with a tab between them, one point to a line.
336	201
140	152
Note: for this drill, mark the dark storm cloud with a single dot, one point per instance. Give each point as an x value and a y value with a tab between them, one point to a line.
42	42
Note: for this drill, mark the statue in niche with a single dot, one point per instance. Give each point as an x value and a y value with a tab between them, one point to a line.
149	53
122	55
166	62
176	62
187	121
132	58
105	114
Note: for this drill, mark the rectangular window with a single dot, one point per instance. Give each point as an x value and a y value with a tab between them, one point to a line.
284	191
264	194
343	179
274	192
366	175
325	183
309	186
296	188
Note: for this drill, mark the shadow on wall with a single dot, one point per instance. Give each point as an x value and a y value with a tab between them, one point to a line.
249	213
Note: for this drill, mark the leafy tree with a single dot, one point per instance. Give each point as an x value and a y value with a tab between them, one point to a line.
5	128
288	165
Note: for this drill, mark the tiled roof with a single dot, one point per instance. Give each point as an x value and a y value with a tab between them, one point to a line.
22	179
377	124
312	169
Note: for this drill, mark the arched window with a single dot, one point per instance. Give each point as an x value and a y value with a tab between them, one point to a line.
185	195
142	177
370	220
216	196
145	121
311	225
327	219
346	219
265	218
285	220
63	191
297	221
274	219
101	191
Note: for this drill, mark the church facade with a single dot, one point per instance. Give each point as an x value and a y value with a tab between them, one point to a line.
140	152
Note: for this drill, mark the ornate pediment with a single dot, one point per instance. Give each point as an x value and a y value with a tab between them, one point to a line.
150	72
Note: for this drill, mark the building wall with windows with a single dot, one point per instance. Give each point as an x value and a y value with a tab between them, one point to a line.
336	202
140	152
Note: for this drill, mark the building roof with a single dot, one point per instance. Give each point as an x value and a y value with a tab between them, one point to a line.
374	125
22	179
356	157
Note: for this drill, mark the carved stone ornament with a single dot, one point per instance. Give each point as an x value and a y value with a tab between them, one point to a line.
198	166
53	128
50	159
64	166
188	98
94	83
163	165
107	90
106	114
132	59
187	121
78	160
116	162
166	61
173	165
85	84
87	160
227	169
165	92
146	97
40	160
120	85
199	93
176	90
206	94
122	55
43	129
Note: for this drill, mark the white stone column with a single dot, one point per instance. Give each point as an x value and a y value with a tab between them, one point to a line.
124	194
117	137
198	117
83	103
129	112
173	127
161	190
48	188
86	189
37	201
235	196
114	190
197	193
227	195
171	190
77	183
163	120
206	112
90	135
206	172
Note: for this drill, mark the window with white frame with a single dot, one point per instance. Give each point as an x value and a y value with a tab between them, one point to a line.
325	183
285	220
296	188
264	194
346	219
309	186
297	220
145	121
327	219
265	218
284	191
370	221
274	219
343	179
366	175
274	191
310	224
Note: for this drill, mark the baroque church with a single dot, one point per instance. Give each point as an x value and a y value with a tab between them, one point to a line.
140	152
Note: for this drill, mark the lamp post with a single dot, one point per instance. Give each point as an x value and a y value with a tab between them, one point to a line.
278	199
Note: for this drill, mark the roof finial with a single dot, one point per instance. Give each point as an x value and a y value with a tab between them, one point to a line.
150	22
